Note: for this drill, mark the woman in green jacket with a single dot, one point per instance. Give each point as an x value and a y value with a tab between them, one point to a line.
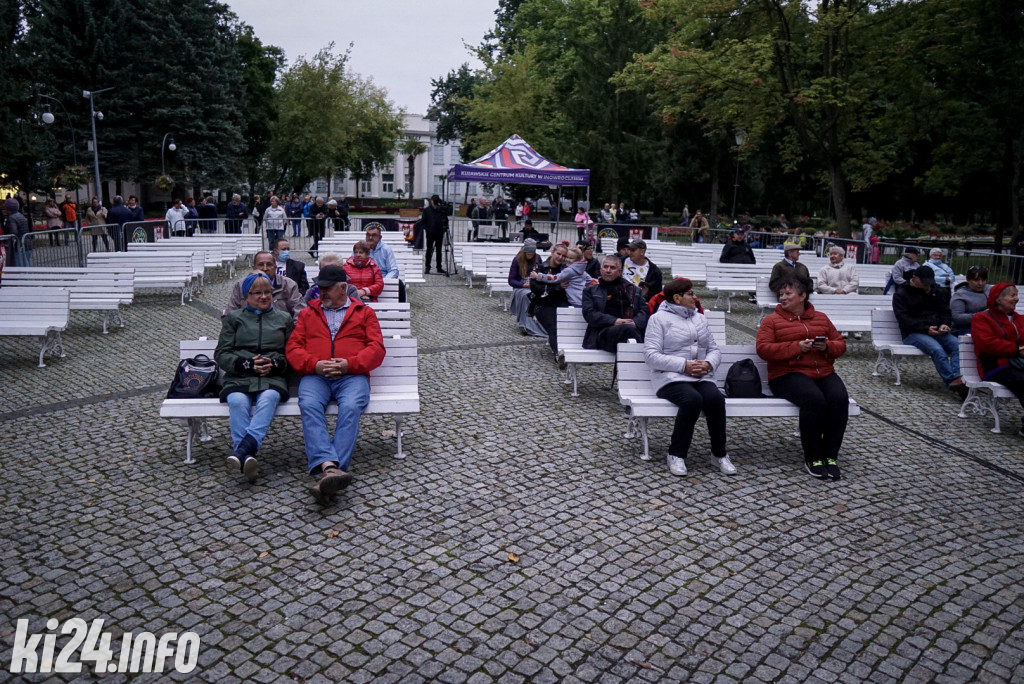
250	351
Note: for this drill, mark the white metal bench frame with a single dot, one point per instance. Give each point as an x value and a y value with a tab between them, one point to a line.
43	315
983	395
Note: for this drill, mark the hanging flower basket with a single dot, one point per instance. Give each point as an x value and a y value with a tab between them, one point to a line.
72	176
164	183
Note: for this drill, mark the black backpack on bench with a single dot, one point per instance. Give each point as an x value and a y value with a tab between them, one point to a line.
743	381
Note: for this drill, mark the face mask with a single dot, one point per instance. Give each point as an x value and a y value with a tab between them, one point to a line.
284	255
359	263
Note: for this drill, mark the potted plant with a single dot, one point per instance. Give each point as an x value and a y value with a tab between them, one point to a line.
164	183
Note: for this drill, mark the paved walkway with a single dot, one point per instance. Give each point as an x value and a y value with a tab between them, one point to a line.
522	540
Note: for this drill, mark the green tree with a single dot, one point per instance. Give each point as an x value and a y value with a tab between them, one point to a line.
260	65
412	148
377	124
449	99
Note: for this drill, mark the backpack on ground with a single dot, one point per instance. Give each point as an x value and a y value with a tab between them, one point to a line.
743	381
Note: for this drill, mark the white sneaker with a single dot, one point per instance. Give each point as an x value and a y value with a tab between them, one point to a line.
845	335
858	335
724	464
677	465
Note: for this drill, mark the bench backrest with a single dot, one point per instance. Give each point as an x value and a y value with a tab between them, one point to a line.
968	359
45	306
148	264
884	328
212	254
635	375
398	373
85	284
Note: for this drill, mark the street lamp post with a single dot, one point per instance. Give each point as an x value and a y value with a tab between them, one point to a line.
48	119
163	168
741	137
93	115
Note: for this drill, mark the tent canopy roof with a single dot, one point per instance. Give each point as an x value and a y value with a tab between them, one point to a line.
515	161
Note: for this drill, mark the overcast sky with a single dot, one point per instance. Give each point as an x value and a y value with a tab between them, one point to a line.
401	44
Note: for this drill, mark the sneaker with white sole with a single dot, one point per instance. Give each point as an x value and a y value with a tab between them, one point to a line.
724	464
677	465
858	335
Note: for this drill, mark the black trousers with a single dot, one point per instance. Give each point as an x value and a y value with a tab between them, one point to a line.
434	242
547	316
824	410
608	339
692	398
1014	381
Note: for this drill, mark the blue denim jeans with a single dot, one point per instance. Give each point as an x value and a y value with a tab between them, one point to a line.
245	420
944	350
352	392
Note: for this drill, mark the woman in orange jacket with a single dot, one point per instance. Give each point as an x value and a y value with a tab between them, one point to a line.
800	345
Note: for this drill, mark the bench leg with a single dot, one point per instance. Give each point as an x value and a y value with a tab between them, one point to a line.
979	403
504	302
886	363
570	374
189	439
106	318
398	436
632	429
641	424
718	298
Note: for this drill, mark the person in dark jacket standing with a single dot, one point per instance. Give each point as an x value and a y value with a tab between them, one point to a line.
435	223
136	209
16	224
925	321
118	216
235	214
207	215
614	309
251	352
343	210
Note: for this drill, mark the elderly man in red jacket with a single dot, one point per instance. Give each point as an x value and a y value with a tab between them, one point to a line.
335	344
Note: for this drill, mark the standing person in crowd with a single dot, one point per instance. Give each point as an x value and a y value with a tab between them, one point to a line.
548	298
251	352
317	225
334	214
16	224
925	321
907	263
699	227
474	220
523	264
257	213
284	290
614	309
998	334
307	204
683	356
527	209
969	298
801	346
789	265
581	219
69	208
944	275
293	208
435	223
553	217
54	219
207	215
634	215
483	212
96	218
234	215
641	271
593	265
175	218
191	217
364	273
336	343
286	266
519	214
500	214
274	221
621	214
119	215
839	277
343	211
605	215
868	232
686	215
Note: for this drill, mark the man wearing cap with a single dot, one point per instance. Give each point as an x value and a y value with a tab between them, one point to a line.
641	271
926	322
285	291
907	263
789	265
335	344
434	222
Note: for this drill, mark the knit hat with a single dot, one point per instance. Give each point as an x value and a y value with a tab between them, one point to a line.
994	293
11	204
530	246
252	278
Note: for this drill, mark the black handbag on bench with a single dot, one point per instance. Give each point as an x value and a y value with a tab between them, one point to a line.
196	378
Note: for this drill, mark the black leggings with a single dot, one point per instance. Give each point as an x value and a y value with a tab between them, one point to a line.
824	410
1013	379
434	242
547	316
692	398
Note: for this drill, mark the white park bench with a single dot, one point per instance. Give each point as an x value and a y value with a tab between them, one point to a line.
496	274
887	339
213	254
153	270
475	263
572	328
97	289
221	250
637	394
394	389
726	279
983	395
848	313
41	312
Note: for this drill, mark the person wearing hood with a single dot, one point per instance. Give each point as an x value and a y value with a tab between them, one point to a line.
682	355
363	272
998	334
250	351
801	346
969	297
925	321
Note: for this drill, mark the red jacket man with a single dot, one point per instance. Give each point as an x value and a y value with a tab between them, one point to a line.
335	344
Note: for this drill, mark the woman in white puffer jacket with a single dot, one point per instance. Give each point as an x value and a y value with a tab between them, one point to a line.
682	355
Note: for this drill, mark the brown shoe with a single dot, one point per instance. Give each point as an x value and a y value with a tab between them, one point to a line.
331	482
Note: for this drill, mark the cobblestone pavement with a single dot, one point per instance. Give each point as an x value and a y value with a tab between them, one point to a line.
522	539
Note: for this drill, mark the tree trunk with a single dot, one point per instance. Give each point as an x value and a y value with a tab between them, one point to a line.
841	200
411	160
715	164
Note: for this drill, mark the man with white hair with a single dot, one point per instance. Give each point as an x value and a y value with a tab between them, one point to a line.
839	277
